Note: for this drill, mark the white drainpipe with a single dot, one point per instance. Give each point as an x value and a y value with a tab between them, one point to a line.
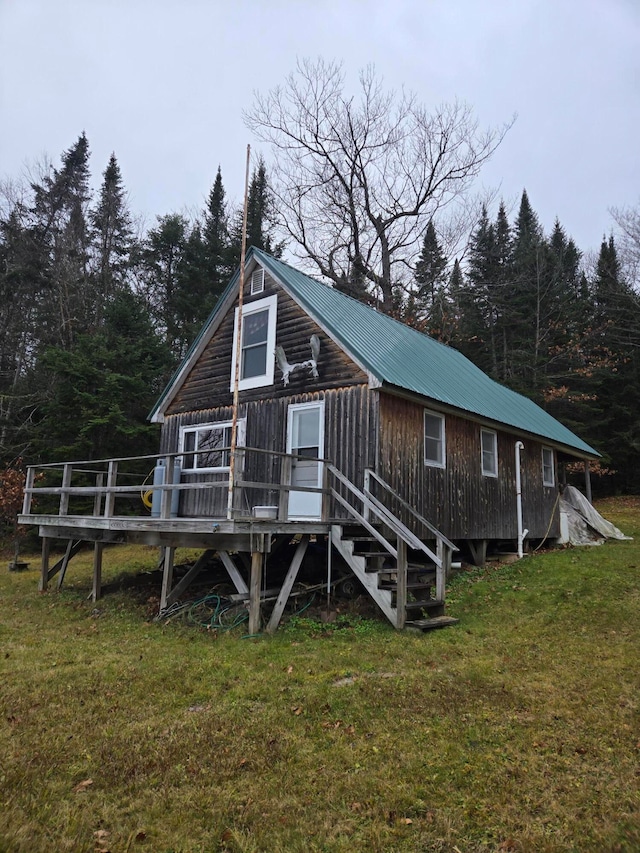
521	533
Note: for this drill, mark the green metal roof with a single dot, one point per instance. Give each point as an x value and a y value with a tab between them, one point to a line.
407	359
396	355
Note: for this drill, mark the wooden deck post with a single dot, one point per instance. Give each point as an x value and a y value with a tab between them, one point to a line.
44	568
285	480
67	470
401	591
110	497
97	501
96	591
257	559
444	556
167	576
28	486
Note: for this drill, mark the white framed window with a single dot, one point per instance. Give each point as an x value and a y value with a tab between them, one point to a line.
257	281
258	343
206	447
489	446
548	467
434	440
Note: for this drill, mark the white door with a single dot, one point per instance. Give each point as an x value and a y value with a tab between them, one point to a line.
305	438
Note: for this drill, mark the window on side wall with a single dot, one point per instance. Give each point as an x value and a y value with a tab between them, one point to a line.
206	447
434	440
257	344
548	468
489	445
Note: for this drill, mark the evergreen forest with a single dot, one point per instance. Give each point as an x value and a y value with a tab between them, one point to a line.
97	311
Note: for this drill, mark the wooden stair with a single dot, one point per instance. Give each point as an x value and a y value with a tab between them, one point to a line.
377	569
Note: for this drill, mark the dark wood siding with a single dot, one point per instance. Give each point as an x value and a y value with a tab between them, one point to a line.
208	384
458	499
350	437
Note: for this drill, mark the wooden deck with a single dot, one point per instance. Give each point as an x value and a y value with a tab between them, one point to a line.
87	494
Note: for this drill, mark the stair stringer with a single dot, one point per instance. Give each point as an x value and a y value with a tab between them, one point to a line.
369	580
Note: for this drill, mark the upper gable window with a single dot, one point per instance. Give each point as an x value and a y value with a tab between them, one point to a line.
548	469
257	281
489	445
434	446
257	344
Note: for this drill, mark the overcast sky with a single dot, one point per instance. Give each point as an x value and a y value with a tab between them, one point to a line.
163	84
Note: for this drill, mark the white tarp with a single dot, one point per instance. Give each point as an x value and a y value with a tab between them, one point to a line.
586	525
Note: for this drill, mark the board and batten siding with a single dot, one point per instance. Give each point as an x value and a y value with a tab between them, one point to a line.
350	429
458	499
350	437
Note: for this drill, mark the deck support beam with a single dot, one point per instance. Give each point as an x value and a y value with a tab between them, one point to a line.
257	559
232	571
287	586
72	550
96	590
167	576
44	565
190	576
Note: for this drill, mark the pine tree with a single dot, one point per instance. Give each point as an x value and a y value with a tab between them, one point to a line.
215	237
430	269
60	235
112	239
96	394
260	228
163	253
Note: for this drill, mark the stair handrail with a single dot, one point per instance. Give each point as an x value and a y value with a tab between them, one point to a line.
412	510
383	513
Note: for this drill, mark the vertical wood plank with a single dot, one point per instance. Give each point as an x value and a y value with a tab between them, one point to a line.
401	593
97	501
167	576
441	569
28	487
110	497
65	563
285	480
257	559
67	470
44	566
96	590
587	480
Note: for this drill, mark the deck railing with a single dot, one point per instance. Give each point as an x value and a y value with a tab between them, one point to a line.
99	488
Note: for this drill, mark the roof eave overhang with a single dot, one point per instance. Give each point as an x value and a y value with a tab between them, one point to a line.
445	408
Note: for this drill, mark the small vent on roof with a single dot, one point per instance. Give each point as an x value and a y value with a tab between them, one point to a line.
257	281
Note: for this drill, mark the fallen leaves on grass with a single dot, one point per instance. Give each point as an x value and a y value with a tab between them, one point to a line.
82	786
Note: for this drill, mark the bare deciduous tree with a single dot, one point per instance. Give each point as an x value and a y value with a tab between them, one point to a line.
628	221
357	179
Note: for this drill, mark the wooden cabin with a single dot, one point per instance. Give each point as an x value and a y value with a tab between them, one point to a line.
350	426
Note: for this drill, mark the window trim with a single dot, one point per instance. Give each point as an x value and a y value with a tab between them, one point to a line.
442	461
494	436
552	466
269	303
189	428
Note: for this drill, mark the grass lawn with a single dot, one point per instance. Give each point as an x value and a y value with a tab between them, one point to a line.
516	730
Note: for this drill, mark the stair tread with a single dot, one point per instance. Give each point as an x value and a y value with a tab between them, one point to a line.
429	602
410	585
434	622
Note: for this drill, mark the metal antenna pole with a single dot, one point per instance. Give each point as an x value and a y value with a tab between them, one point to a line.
238	353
